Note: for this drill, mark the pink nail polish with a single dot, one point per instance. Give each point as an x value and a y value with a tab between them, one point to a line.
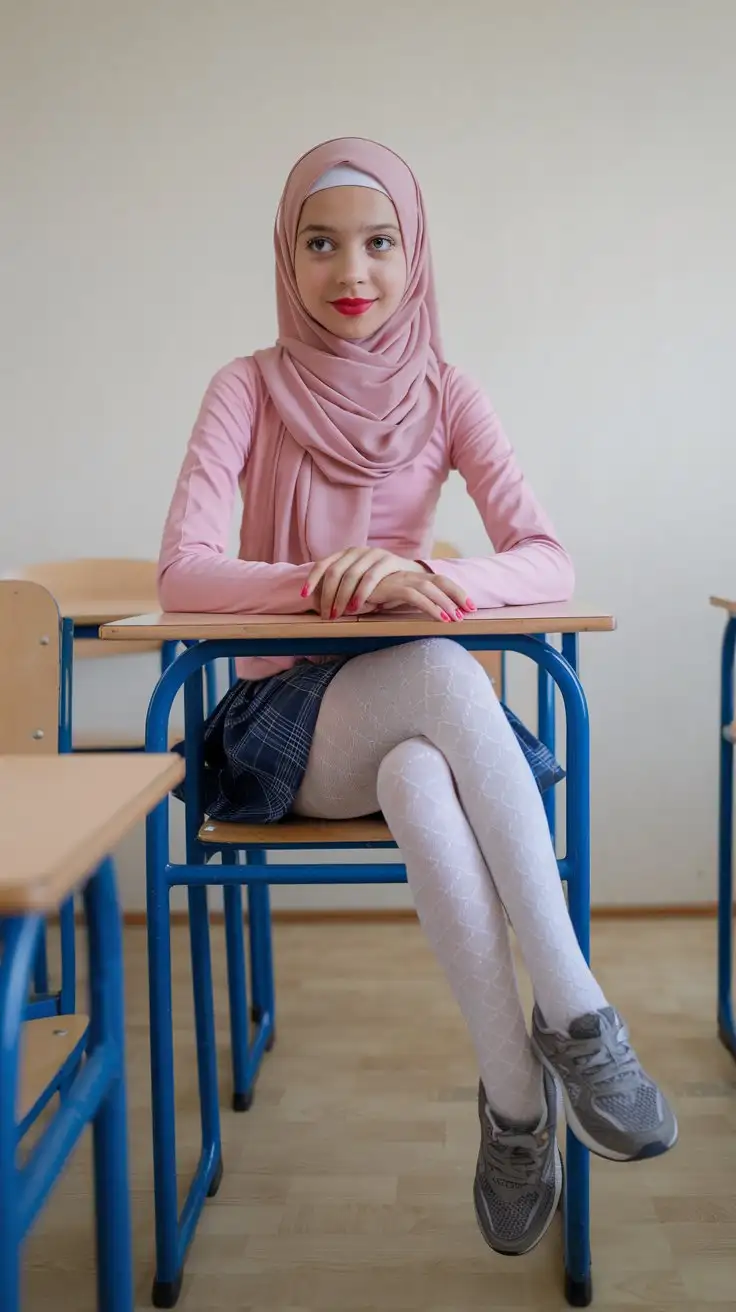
305	591
333	613
470	605
459	614
352	605
444	616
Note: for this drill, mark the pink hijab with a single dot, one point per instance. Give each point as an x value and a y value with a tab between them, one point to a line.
347	414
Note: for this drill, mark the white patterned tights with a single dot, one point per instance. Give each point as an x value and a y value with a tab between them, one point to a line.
418	731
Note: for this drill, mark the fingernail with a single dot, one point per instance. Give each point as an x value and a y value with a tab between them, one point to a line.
470	605
460	615
444	616
352	605
305	591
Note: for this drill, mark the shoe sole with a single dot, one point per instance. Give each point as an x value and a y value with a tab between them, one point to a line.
581	1134
521	1252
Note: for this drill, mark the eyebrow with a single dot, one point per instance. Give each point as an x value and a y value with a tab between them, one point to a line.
326	227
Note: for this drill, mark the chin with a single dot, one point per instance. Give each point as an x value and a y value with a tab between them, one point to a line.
353	332
354	329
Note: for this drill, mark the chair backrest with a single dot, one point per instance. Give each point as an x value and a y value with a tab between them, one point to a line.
29	669
90	579
93	578
445	551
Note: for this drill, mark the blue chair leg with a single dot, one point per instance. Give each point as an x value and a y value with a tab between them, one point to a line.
263	989
67	996
210	674
726	1030
204	1020
110	1134
41	965
578	1281
237	990
64	1001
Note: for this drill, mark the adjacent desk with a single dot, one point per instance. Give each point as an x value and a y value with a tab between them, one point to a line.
60	817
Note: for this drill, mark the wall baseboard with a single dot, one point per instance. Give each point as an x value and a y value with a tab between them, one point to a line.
396	915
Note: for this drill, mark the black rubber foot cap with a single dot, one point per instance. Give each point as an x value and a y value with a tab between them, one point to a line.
215	1183
271	1040
166	1292
242	1102
579	1293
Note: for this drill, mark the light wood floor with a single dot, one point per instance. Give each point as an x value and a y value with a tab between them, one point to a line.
348	1185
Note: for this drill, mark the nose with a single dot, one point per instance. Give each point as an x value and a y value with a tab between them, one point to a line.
352	271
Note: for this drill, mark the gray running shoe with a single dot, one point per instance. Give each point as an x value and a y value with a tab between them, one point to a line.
611	1104
518	1179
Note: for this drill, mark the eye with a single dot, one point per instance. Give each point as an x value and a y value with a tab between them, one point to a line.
382	244
320	245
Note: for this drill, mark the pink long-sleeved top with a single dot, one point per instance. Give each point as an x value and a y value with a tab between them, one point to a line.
195	574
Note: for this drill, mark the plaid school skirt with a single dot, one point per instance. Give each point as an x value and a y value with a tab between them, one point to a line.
257	743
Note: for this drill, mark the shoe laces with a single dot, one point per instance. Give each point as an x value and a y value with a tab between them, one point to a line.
608	1060
514	1154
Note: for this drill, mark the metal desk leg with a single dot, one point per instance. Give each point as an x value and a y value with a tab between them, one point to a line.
174	1233
578	1282
110	1133
261	953
726	1030
546	734
168	1266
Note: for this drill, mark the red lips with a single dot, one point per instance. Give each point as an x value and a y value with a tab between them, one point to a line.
352	305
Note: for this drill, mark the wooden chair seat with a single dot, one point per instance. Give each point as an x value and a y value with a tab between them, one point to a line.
48	1045
298	831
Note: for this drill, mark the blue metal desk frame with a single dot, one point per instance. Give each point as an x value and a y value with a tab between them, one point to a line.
174	1233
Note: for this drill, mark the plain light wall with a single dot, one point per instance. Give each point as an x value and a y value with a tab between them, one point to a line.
577	161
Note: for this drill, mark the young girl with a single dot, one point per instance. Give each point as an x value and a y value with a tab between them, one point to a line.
340	438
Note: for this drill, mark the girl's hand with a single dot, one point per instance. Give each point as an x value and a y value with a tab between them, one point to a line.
346	579
433	594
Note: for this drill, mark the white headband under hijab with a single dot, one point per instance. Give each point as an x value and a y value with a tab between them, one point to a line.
344	175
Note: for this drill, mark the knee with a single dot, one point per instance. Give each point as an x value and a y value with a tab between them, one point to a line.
414	765
449	668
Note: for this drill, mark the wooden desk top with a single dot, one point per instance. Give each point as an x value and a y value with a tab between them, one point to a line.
559	618
60	815
724	604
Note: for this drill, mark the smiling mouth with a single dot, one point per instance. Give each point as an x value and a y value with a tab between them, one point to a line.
350	305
